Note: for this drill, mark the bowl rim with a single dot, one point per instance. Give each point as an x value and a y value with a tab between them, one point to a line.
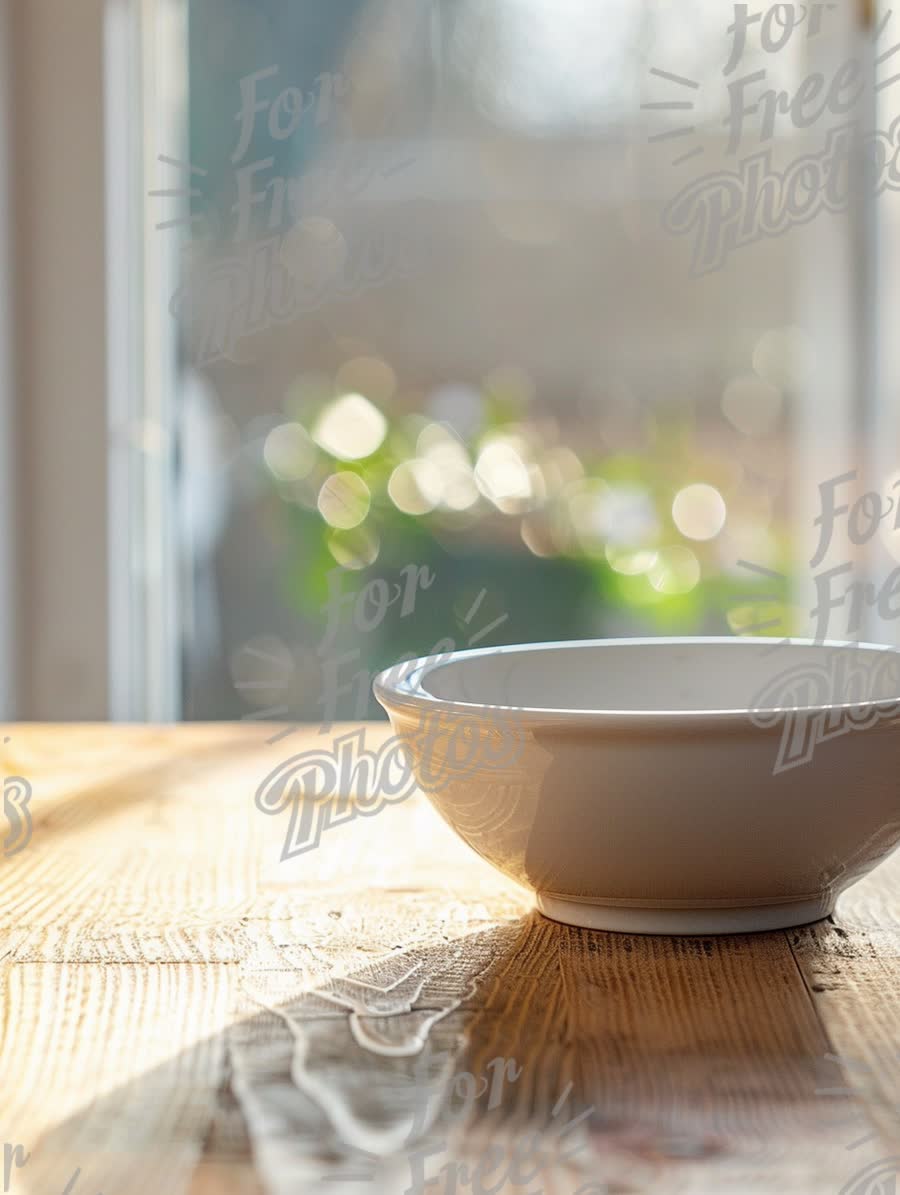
399	688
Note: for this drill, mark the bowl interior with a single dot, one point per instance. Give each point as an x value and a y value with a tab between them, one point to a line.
669	676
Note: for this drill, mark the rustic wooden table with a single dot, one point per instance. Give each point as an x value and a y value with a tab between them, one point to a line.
184	1012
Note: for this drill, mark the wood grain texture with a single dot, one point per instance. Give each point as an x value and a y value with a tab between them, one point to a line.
182	1011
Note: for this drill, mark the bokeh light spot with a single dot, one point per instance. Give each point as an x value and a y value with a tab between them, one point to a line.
344	500
351	428
699	511
288	452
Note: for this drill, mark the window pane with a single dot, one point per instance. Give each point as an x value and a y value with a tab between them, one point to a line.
467	355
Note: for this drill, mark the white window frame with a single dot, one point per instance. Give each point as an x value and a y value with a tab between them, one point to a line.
146	78
88	618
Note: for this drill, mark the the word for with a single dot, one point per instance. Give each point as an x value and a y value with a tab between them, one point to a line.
370	607
464	1090
848	685
777	25
864	516
16	796
372	602
284	112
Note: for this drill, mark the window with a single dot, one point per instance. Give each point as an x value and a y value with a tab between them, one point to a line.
413	334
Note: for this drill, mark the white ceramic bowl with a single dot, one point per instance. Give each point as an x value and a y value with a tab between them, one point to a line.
663	785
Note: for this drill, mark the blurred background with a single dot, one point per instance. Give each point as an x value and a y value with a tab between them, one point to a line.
337	333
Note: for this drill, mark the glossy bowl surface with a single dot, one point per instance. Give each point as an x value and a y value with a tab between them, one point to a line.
663	785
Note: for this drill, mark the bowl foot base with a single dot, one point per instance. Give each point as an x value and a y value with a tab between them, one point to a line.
630	920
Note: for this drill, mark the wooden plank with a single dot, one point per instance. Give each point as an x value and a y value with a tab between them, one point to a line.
111	1070
851	965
